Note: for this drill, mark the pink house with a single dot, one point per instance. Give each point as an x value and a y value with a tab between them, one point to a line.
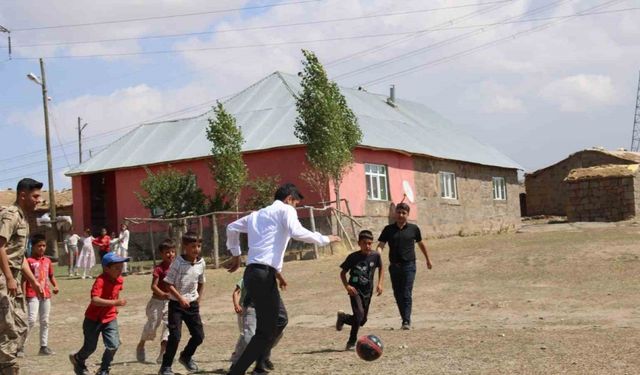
460	185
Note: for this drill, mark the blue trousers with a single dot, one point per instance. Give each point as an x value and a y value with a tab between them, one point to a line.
110	337
402	277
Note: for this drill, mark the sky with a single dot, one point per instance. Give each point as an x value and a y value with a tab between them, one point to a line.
536	79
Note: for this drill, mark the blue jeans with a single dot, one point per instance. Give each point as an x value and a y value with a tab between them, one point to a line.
402	277
110	337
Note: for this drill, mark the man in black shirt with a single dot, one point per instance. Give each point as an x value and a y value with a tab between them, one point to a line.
402	237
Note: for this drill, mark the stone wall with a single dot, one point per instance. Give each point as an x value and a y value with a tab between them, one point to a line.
474	212
546	190
604	199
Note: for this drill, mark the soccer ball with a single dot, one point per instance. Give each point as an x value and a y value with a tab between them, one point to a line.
369	347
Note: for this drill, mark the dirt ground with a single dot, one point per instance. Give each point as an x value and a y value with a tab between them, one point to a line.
540	302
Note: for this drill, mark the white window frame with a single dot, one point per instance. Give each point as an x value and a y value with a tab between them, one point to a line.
499	189
448	185
376	176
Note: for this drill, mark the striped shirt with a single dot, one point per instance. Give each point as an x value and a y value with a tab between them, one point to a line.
185	277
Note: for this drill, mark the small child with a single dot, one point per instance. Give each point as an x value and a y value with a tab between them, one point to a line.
40	305
157	307
103	242
101	316
186	283
72	249
247	322
87	258
361	266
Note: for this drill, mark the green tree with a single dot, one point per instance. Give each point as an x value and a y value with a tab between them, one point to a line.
263	189
171	193
325	124
228	168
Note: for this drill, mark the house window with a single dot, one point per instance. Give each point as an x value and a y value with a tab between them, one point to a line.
377	186
448	188
157	212
499	189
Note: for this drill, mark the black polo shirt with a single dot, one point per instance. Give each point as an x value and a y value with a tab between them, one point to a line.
402	242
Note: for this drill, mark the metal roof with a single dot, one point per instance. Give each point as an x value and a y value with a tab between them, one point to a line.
266	113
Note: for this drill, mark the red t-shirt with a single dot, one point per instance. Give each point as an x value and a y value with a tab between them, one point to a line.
106	288
160	272
103	243
42	270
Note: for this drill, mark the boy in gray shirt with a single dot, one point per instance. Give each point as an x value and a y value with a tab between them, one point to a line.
186	282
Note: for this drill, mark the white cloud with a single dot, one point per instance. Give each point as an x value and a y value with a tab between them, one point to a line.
125	107
580	92
491	97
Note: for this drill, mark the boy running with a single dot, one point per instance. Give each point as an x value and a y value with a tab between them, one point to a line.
186	282
39	305
361	266
101	316
157	307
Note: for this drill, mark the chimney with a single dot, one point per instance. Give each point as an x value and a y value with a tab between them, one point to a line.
392	96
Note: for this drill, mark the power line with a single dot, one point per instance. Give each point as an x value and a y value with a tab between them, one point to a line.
110	22
224	48
445	42
266	27
157	118
55	128
482	46
412	35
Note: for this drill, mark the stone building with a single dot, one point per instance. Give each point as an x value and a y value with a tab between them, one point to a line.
546	191
603	193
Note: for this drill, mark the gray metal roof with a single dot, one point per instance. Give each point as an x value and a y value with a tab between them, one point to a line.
266	113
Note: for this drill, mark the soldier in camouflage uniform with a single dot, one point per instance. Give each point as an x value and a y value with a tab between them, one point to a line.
14	234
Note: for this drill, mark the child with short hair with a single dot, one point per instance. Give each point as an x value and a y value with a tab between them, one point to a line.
186	283
157	307
361	266
39	306
101	316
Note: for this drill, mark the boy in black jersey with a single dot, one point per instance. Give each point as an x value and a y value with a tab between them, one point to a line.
361	266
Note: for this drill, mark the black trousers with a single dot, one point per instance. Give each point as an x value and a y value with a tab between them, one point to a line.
260	281
191	318
403	276
281	324
360	308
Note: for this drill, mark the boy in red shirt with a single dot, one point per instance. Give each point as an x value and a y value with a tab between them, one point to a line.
157	308
100	316
40	305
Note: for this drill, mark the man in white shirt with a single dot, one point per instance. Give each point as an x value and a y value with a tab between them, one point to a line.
268	231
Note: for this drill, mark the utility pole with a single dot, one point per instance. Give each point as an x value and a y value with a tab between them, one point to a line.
635	137
52	197
80	129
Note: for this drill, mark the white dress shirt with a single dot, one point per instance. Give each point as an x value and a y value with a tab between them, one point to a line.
269	231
